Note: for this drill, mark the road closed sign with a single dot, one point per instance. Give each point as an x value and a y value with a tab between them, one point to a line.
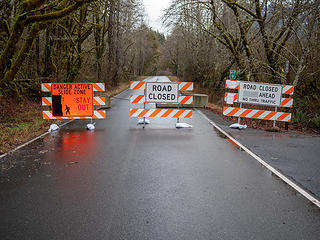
162	92
72	99
260	93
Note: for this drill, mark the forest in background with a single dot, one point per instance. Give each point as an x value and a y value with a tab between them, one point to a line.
67	41
109	41
254	37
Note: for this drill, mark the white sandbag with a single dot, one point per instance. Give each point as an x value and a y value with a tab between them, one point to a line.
90	126
141	121
238	126
53	127
183	125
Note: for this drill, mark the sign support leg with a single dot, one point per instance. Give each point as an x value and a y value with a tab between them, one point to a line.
239	118
274	121
179	93
288	68
144	107
178	119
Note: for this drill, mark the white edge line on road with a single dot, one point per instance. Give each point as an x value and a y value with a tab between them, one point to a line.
260	160
42	135
31	141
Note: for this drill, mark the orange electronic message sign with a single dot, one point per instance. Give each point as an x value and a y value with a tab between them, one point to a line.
72	99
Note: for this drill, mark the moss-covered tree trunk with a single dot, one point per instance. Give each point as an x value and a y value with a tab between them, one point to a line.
28	16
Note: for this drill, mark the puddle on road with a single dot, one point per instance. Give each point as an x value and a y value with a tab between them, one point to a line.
62	148
74	147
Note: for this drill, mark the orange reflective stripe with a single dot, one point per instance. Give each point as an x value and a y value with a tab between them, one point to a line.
245	113
133	111
97	87
290	91
102	113
166	114
45	116
258	114
47	85
185	87
143	113
233	112
189	115
46	101
285	101
96	103
185	99
178	114
270	115
155	113
138	99
283	116
139	85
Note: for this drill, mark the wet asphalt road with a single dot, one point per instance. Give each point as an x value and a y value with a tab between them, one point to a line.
123	182
295	155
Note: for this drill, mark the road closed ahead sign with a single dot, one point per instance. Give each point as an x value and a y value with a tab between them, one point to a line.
72	99
260	93
162	92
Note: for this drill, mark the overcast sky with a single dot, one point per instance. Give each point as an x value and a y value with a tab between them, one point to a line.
154	9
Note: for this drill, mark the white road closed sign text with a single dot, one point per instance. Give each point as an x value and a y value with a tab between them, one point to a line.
260	93
162	92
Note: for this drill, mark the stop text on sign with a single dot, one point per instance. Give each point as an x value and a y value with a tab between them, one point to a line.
162	92
72	99
260	94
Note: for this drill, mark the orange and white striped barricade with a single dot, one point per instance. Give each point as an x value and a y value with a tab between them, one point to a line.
258	94
97	87
256	114
234	84
97	114
285	102
160	113
140	99
97	101
73	101
160	93
140	85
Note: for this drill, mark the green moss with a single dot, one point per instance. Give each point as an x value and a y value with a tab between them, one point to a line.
316	122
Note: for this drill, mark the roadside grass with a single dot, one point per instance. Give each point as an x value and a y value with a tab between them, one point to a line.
22	121
115	91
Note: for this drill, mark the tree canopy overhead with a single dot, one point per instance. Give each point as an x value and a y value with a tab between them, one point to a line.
64	40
